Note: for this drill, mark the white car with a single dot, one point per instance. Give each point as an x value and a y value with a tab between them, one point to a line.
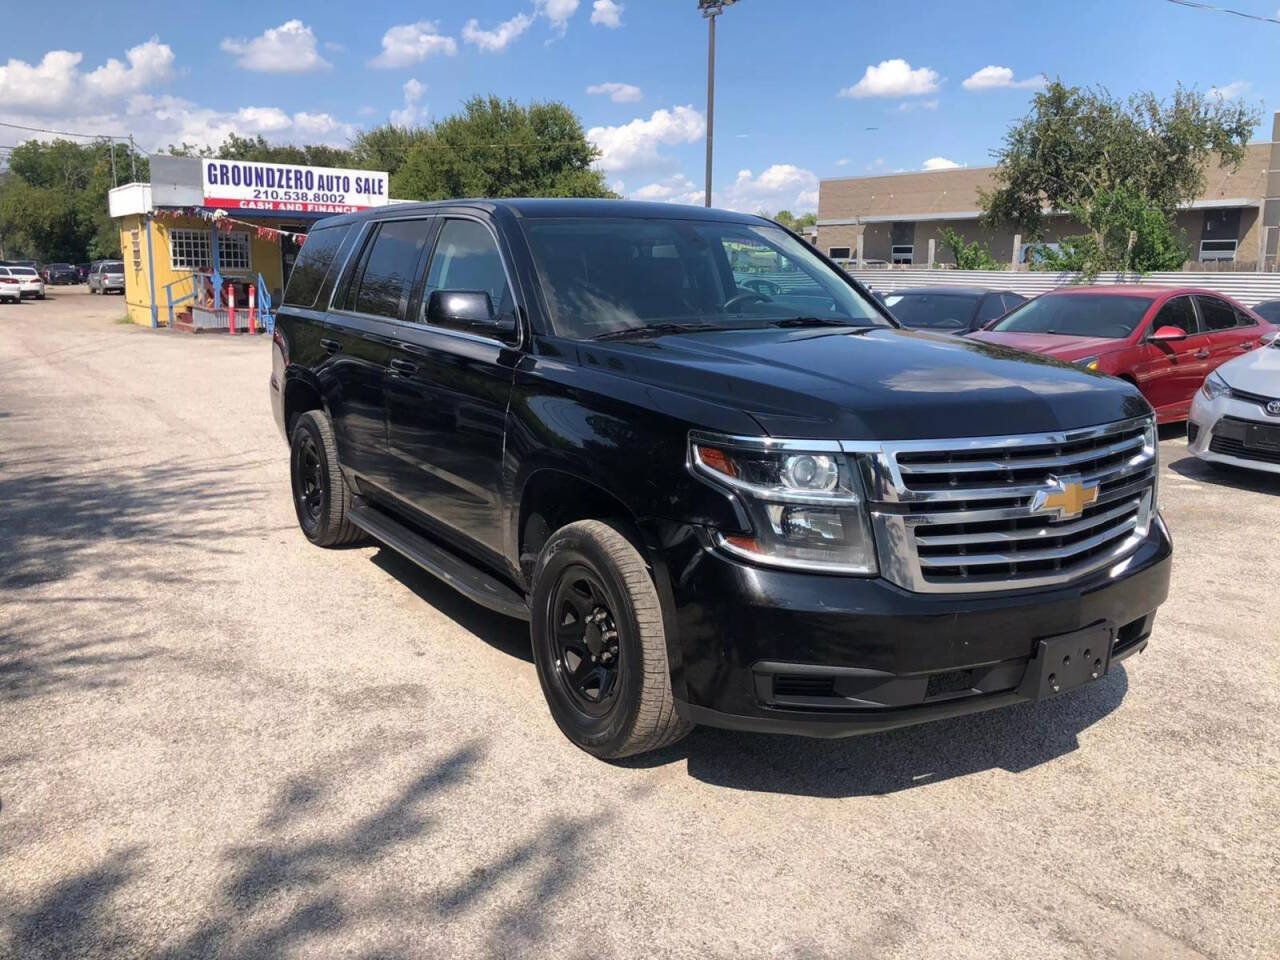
1235	416
29	282
9	286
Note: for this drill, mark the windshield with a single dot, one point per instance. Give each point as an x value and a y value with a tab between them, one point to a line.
59	266
932	310
1078	315
113	266
613	277
22	272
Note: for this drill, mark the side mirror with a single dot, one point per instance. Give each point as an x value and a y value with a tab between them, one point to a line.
1269	338
471	307
1169	333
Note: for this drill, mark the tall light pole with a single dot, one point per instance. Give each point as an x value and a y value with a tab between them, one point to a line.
710	10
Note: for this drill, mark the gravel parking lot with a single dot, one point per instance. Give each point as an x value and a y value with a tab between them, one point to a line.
216	739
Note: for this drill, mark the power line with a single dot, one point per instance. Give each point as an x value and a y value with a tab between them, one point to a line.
65	133
1197	5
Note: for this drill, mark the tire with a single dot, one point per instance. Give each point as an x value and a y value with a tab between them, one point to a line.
610	695
321	498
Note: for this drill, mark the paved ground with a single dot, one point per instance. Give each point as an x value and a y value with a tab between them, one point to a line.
217	740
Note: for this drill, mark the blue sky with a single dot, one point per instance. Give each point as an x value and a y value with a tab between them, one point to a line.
806	89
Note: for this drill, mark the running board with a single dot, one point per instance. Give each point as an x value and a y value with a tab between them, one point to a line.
470	581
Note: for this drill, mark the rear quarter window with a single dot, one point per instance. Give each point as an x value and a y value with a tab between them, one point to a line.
313	265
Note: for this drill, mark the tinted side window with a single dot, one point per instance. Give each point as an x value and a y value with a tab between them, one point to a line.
1012	300
1178	312
1244	320
992	307
388	271
314	261
1216	314
466	258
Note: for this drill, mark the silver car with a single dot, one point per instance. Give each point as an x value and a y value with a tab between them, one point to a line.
106	276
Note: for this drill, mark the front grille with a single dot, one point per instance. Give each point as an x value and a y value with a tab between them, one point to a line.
1230	447
1260	399
793	685
962	514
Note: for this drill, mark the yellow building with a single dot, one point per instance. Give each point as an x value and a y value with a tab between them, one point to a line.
204	230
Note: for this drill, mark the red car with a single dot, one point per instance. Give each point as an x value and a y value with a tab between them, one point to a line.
1165	340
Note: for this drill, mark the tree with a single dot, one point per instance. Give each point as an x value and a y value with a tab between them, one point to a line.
497	148
53	201
1084	152
790	220
385	147
968	256
1114	216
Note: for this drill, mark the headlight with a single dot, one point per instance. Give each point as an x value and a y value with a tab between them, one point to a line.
1089	363
806	506
1215	386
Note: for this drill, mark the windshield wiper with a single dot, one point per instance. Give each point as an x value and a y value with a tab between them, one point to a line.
813	322
657	330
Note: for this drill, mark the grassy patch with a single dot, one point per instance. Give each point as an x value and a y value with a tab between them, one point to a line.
122	320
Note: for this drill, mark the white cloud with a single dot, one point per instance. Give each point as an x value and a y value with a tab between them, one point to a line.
558	12
288	48
618	92
1229	91
57	84
843	161
783	186
996	78
894	78
940	163
414	111
410	43
906	106
607	13
498	39
675	189
635	144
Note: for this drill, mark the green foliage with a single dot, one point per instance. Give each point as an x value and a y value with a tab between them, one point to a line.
1081	149
497	148
53	200
790	220
968	256
1158	244
385	147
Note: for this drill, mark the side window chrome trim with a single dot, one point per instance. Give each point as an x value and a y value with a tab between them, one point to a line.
356	244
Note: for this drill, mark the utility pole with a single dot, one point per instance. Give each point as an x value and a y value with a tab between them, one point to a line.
133	158
111	145
710	10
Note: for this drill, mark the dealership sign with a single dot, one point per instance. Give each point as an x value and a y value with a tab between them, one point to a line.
250	185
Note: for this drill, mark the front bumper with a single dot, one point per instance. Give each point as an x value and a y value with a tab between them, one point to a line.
780	651
1220	419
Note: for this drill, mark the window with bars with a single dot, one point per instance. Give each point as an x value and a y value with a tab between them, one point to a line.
193	250
135	245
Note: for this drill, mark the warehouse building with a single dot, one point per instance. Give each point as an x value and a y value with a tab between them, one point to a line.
895	219
205	231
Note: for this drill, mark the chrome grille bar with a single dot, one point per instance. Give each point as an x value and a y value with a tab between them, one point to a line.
945	520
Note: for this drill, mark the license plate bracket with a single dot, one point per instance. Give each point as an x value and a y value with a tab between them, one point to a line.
1067	661
1262	436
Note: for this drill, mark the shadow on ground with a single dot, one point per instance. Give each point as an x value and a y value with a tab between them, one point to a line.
1221	475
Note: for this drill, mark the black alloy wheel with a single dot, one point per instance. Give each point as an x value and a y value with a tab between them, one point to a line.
308	481
586	642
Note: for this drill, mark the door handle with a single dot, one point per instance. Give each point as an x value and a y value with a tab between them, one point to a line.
1247	345
404	367
1202	353
331	346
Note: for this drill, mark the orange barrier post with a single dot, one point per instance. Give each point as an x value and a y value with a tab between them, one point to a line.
253	297
231	308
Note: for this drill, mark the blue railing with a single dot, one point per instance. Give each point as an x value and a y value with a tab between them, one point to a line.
197	286
193	281
265	306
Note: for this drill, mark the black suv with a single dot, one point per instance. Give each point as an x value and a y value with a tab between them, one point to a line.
715	504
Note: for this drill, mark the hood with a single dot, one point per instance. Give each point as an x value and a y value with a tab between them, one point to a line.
872	384
1256	372
1051	344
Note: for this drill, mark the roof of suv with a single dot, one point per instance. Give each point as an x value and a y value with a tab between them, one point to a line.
544	207
974	292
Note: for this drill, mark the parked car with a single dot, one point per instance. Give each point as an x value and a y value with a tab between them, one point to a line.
107	276
29	282
19	263
1235	416
56	274
9	289
1166	341
950	309
1268	310
712	504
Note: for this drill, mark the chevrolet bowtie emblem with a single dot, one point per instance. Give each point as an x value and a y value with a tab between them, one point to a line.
1064	498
